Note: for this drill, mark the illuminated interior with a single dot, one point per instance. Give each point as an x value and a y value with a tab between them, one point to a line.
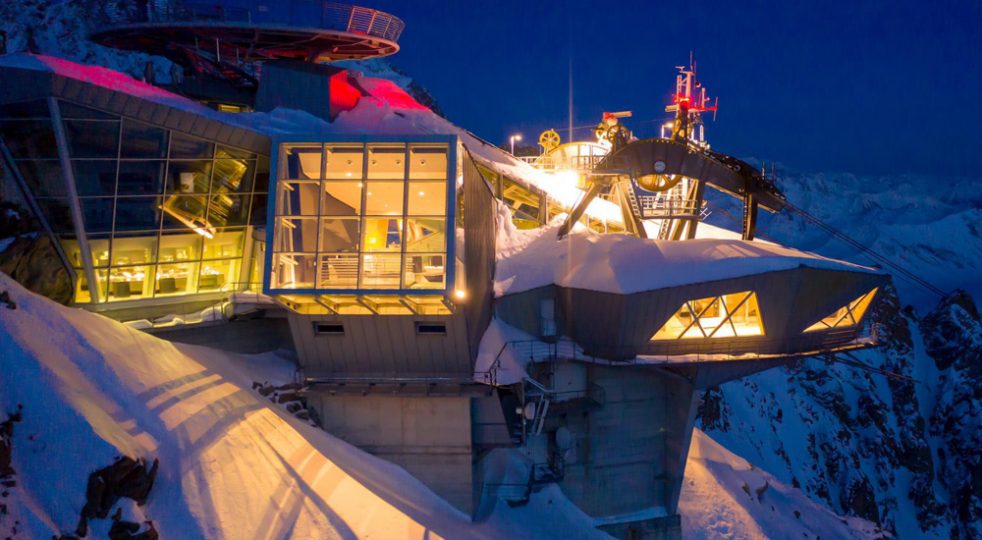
848	315
164	213
729	315
361	216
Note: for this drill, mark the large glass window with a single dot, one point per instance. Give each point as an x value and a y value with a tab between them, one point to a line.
848	315
165	213
361	216
729	315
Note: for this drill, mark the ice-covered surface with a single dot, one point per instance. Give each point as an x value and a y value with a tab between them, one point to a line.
625	264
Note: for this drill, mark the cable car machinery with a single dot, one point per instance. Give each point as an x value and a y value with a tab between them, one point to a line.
664	178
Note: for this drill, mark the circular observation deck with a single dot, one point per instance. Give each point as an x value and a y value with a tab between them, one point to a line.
252	30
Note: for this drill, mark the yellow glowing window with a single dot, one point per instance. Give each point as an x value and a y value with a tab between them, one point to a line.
729	315
848	315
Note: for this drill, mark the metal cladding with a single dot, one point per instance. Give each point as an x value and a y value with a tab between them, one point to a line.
621	326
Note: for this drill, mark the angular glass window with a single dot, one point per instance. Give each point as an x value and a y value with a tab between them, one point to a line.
132	250
339	235
425	271
99	245
848	315
261	181
427	199
382	234
293	270
426	235
97	214
224	245
137	213
30	139
58	215
43	177
180	247
143	141
384	198
341	198
258	217
232	174
386	161
95	177
184	147
729	315
228	210
428	162
188	176
176	279
380	271
141	177
300	162
297	198
345	162
337	271
92	138
82	293
187	212
130	282
298	234
218	275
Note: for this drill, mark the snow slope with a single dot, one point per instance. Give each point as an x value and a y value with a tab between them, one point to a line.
232	466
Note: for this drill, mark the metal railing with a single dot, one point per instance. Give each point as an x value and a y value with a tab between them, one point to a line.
300	13
535	351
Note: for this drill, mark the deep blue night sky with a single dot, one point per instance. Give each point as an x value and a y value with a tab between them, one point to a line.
885	87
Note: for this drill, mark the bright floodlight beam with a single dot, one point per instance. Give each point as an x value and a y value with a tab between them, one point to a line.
512	139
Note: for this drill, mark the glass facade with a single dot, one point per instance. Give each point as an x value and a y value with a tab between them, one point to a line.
729	315
164	213
361	216
848	315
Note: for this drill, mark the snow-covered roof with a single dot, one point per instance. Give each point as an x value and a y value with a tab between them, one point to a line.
619	263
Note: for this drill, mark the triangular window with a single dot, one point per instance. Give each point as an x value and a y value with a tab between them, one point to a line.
848	315
729	315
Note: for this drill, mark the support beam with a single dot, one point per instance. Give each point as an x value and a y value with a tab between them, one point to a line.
68	175
577	212
750	205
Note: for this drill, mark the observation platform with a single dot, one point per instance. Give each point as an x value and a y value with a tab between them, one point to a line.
253	30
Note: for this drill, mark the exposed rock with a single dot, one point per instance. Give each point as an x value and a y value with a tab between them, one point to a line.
32	261
125	478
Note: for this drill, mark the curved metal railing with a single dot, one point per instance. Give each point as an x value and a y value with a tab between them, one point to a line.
300	13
